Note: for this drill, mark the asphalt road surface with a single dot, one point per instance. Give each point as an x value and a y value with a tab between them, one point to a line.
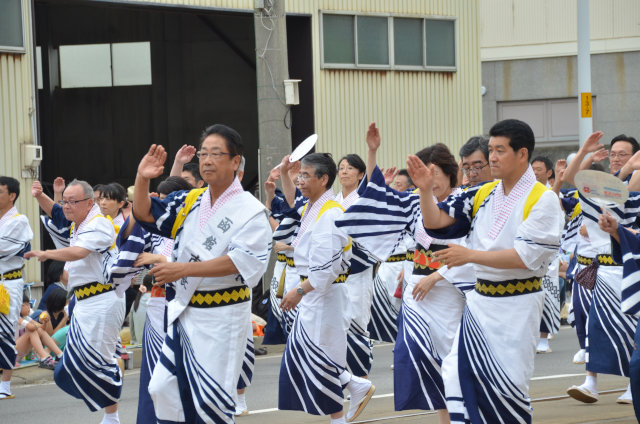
554	373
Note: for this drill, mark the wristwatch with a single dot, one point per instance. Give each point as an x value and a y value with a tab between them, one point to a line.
301	291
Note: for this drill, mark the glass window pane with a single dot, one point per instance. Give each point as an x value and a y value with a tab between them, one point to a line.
373	41
441	48
87	65
337	38
131	63
407	40
11	24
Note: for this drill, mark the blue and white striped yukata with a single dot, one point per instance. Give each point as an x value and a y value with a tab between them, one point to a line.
15	239
487	373
378	222
89	367
610	332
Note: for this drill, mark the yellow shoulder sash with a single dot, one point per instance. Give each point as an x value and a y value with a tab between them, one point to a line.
191	198
532	199
330	204
482	194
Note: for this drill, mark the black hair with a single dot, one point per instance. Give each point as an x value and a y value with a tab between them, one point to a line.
56	300
623	137
114	191
405	173
231	138
323	164
193	169
172	184
54	272
25	298
547	162
475	143
98	187
439	154
355	161
13	186
519	133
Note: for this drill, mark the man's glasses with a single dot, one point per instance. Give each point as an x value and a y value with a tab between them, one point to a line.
621	155
71	202
474	169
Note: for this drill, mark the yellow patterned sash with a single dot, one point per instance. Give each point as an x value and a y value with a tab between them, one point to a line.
409	256
222	297
14	274
508	287
397	258
281	257
91	289
606	260
341	278
583	260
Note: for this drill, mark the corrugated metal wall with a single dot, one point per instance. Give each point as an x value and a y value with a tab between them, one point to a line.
16	106
523	22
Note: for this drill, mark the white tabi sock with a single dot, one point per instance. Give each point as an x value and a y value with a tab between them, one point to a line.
111	418
340	420
5	387
344	378
591	383
241	405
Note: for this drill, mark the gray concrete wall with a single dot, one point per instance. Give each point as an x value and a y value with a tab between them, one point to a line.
615	84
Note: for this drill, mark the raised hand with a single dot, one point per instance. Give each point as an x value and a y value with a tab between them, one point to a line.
600	155
285	165
561	165
389	174
294	170
634	162
421	174
185	154
373	137
36	189
152	164
274	174
270	188
59	185
608	224
591	143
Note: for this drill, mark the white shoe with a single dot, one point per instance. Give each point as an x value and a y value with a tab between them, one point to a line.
626	398
361	391
241	412
583	394
543	346
580	357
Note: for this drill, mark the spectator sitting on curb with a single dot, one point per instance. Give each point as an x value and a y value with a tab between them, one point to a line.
33	338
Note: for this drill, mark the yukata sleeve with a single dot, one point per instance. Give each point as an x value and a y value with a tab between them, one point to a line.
377	220
326	257
627	252
164	213
15	237
461	277
58	227
250	248
460	207
97	236
625	214
128	250
538	237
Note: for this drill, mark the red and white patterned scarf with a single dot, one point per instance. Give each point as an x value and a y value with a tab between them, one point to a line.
349	200
310	214
503	205
207	210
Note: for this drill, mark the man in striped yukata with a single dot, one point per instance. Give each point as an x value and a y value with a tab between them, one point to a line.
513	229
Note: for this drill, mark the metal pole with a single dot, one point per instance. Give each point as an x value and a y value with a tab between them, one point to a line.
585	111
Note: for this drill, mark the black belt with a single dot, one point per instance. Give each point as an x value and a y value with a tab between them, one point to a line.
94	288
508	287
606	260
583	260
424	262
341	278
221	297
14	274
397	258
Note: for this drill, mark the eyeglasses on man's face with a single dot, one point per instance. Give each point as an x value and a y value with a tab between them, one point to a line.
474	169
621	155
212	155
71	202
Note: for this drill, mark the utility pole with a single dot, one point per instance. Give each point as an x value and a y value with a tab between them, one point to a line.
585	106
274	116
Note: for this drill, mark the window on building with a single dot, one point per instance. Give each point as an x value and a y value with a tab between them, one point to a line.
105	65
388	42
553	121
11	29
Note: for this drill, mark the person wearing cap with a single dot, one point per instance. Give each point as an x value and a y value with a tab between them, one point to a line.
222	242
15	241
89	367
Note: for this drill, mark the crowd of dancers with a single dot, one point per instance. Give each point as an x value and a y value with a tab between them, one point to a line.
456	262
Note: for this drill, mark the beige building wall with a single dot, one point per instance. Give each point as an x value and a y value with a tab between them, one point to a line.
17	106
520	29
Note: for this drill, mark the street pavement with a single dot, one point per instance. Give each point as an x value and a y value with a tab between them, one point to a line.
554	373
